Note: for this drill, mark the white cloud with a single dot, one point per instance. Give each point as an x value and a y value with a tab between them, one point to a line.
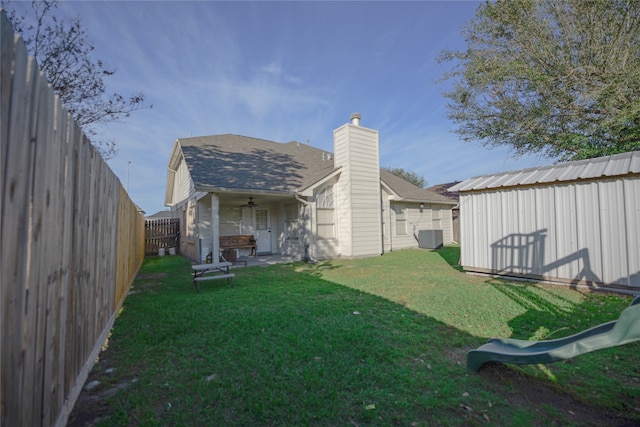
222	67
273	68
290	78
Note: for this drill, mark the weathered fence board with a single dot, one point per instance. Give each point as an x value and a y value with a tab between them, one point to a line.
72	242
128	245
15	195
161	233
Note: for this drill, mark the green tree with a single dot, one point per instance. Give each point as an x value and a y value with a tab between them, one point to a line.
411	177
64	54
560	78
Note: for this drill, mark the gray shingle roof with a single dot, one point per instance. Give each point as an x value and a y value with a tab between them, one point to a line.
411	192
232	162
160	215
608	166
443	190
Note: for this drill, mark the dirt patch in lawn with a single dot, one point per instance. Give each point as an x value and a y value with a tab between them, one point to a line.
150	276
519	389
525	392
147	282
93	405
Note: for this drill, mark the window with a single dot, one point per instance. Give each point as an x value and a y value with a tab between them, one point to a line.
192	230
401	220
325	213
324	198
230	220
183	224
435	218
291	222
326	224
262	219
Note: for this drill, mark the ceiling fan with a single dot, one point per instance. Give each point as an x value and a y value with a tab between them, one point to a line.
250	204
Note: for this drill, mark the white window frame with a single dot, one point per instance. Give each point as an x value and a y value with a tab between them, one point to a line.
400	220
325	213
436	217
192	223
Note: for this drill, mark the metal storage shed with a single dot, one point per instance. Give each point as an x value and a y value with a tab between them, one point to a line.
576	223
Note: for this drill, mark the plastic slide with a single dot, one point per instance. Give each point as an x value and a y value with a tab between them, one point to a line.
522	352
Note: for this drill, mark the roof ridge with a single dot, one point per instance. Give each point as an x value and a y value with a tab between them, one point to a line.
221	135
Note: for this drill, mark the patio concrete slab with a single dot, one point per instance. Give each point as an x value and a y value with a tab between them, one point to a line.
264	260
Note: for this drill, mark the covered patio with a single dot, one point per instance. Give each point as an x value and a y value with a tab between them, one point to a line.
264	260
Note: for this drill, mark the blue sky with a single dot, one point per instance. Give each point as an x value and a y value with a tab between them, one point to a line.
284	71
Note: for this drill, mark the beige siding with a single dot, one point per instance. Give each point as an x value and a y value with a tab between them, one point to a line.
417	221
205	231
426	221
183	185
386	220
358	191
293	247
325	247
343	217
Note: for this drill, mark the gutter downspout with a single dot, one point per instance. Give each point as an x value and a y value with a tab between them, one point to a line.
382	221
307	258
390	230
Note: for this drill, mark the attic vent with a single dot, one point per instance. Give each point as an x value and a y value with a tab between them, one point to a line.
355	119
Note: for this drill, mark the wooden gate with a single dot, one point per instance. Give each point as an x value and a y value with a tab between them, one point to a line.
163	233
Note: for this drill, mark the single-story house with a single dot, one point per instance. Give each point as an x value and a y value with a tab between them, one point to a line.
296	199
443	189
576	223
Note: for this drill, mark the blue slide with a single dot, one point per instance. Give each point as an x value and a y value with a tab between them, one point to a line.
522	352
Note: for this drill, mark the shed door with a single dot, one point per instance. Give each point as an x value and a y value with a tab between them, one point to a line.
263	231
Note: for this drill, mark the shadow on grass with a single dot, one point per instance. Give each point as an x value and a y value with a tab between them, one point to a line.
451	254
285	346
279	347
529	296
323	266
549	316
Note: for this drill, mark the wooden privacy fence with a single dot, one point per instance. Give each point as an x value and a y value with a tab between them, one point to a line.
72	242
161	233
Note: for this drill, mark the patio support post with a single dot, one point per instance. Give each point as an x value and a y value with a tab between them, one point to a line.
215	227
307	219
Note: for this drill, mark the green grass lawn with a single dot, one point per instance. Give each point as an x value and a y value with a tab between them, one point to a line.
376	341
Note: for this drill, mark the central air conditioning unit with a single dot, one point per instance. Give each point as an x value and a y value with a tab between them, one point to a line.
430	239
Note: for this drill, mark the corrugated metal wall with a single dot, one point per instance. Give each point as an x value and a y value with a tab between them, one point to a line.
585	232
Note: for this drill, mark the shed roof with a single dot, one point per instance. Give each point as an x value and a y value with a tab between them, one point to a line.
599	167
